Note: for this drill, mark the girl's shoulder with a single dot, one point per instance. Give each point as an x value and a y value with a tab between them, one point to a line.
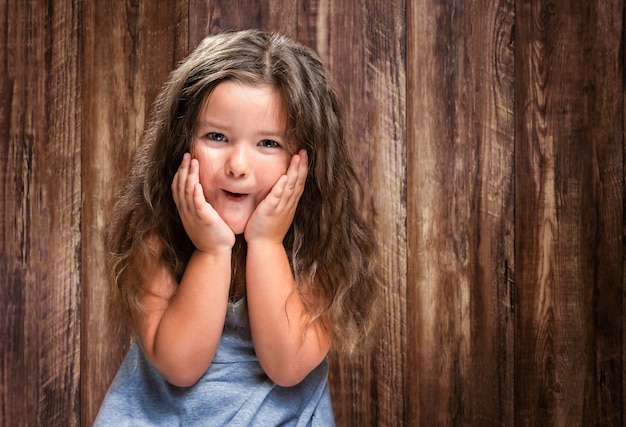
154	244
156	279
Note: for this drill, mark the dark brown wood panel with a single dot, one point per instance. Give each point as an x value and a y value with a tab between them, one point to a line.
208	17
40	216
363	46
490	136
461	151
129	49
569	213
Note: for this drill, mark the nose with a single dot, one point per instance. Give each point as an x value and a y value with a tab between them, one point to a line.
238	161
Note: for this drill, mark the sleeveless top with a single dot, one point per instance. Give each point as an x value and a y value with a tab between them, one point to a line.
234	391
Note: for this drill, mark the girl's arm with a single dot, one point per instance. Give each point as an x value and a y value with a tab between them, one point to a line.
287	344
182	324
288	347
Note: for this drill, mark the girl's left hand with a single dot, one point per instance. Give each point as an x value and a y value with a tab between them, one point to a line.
273	216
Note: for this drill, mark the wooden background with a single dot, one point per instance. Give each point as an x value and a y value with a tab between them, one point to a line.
490	135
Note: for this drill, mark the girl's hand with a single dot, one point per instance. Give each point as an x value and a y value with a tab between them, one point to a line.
273	216
206	229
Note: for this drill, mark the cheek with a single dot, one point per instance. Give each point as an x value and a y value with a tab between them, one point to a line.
269	174
193	149
278	170
201	152
207	168
206	174
284	164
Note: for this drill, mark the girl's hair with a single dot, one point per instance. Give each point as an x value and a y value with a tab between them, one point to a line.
330	245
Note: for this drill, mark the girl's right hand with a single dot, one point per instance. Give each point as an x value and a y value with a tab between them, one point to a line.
204	226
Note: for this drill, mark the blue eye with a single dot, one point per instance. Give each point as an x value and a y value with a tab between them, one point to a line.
216	136
269	143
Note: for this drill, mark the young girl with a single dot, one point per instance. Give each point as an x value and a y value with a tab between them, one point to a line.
239	253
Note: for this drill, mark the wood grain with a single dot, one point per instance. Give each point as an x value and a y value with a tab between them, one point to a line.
208	17
123	73
40	217
490	136
360	43
461	151
569	213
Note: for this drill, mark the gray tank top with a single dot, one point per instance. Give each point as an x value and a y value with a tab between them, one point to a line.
234	391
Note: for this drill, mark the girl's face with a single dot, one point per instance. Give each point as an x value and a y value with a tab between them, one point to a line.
240	143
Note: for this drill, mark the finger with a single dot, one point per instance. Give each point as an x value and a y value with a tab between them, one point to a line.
297	173
178	183
278	190
200	204
293	172
303	170
191	181
288	188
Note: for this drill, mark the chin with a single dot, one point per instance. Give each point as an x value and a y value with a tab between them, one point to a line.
238	227
236	221
238	230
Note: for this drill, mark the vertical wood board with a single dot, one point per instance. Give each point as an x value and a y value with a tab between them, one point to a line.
489	135
40	216
364	46
569	213
460	232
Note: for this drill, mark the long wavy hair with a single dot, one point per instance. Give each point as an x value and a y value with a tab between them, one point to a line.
330	245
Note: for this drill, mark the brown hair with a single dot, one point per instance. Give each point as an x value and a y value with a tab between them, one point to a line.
329	243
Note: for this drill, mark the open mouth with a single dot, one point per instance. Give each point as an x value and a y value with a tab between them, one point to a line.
234	196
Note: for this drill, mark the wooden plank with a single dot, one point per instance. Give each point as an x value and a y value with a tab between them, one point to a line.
123	72
487	100
365	38
445	351
605	245
569	213
623	281
40	216
209	17
363	46
460	212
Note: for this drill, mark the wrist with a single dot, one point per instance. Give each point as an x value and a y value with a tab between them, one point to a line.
261	242
264	251
218	246
214	252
